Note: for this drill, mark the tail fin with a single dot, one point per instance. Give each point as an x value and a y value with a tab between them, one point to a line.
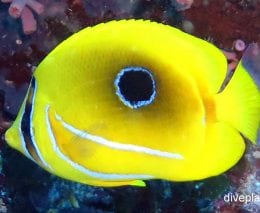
239	103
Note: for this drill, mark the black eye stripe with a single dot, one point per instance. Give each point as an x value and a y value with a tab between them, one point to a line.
135	86
26	124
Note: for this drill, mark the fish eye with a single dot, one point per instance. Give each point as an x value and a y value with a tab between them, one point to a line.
135	87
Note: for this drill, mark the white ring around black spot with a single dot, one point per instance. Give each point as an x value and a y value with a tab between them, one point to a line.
134	104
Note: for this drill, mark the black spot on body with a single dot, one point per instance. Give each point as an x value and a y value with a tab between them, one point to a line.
135	86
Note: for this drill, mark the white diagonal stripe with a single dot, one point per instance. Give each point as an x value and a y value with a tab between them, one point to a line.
117	145
32	130
93	174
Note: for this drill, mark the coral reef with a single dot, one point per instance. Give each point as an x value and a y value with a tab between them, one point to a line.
23	9
223	22
182	4
231	25
245	181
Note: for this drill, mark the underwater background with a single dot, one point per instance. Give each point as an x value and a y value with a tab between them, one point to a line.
26	39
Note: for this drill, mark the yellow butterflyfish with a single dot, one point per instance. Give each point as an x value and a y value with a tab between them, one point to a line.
132	100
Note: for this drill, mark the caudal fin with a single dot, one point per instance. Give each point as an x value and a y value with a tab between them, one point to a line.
239	103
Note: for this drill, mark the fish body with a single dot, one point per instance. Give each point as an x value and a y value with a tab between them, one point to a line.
132	100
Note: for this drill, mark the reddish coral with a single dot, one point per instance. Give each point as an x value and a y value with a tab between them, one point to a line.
183	4
225	21
239	45
19	9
